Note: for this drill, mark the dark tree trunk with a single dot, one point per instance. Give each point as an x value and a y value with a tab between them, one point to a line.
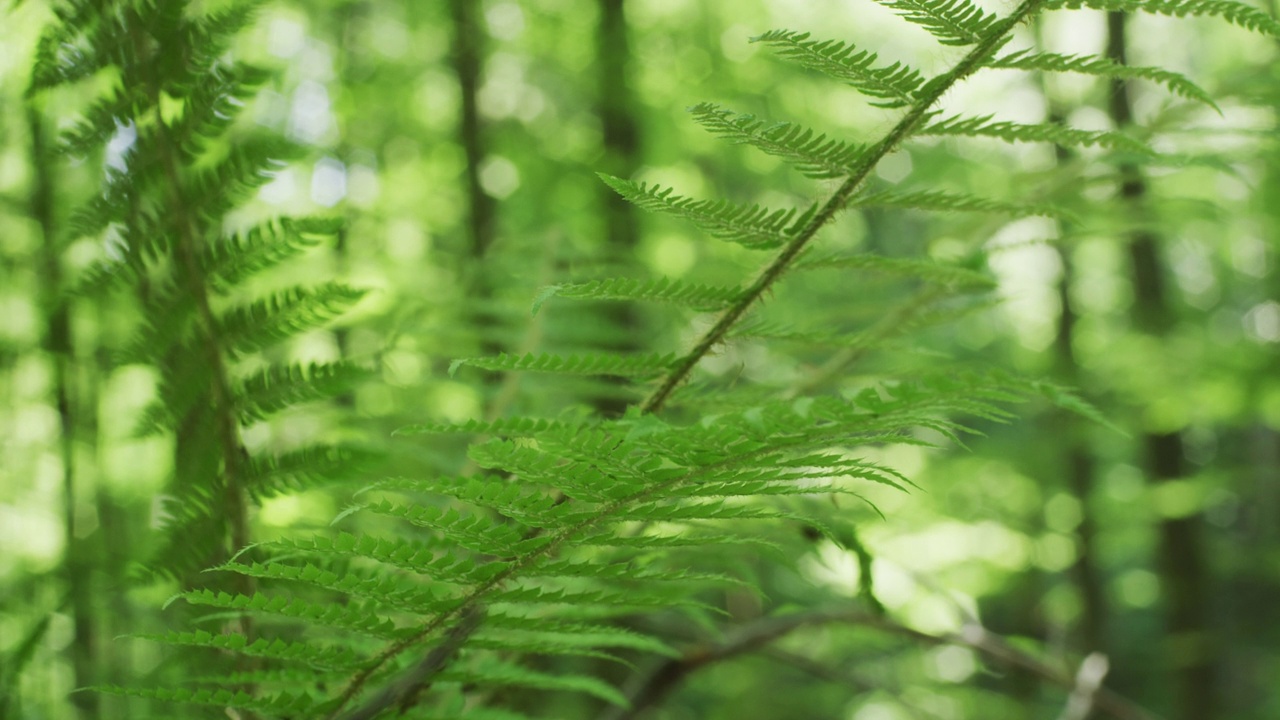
1184	575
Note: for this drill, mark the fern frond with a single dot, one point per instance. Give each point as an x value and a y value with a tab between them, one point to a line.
282	705
812	153
505	427
1245	16
420	558
354	617
984	126
334	657
1100	66
893	85
262	323
279	387
234	258
618	600
471	531
951	22
248	166
696	297
389	591
939	201
267	476
491	672
637	366
927	270
751	226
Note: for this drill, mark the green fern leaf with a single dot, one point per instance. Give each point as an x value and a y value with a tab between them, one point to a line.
639	366
751	226
474	532
317	656
812	153
952	22
428	559
277	387
282	705
938	201
893	85
951	276
491	672
234	258
1103	67
351	617
389	591
610	636
267	476
1245	16
697	297
1018	132
505	427
619	600
291	312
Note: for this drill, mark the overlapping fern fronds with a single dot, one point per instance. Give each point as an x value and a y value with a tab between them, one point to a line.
571	524
173	107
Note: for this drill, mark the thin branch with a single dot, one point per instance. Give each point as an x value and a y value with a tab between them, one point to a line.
667	677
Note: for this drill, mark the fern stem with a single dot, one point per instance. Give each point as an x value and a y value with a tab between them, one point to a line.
930	94
187	250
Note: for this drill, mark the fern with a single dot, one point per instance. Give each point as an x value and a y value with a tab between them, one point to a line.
812	153
939	201
561	527
751	226
952	22
697	297
1245	16
1101	66
893	86
618	365
1018	132
183	172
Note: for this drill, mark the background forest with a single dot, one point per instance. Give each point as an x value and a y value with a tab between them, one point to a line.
330	296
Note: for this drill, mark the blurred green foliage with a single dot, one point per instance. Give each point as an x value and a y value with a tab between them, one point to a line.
997	532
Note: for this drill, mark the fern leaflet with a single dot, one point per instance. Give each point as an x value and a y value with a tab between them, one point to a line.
1102	66
952	22
894	85
751	226
812	153
984	126
697	297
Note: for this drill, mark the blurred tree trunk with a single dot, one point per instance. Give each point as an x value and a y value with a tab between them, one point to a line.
351	21
1184	575
620	133
480	230
468	52
1077	459
78	564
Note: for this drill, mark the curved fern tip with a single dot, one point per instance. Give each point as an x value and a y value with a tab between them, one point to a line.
544	295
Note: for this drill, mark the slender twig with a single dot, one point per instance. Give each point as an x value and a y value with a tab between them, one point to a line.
668	676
